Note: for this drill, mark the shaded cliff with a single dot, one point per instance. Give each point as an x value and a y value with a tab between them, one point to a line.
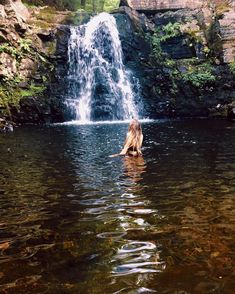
183	55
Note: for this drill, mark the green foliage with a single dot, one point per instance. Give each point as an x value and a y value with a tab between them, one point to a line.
25	45
157	52
17	52
32	91
199	75
9	96
170	30
87	5
232	67
110	5
7	48
160	36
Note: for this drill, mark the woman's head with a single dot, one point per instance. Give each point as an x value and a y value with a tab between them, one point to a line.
134	138
135	126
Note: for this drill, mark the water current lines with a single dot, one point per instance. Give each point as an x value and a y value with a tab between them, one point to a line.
124	219
100	88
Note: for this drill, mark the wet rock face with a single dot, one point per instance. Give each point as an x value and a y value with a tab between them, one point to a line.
134	45
60	60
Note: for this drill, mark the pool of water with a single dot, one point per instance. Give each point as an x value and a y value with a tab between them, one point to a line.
73	220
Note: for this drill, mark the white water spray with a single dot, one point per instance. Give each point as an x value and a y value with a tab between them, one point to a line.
99	85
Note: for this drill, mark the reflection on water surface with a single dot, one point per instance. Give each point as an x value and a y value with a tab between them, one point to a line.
73	220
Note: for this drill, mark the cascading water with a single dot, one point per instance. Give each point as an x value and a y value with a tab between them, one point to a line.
99	87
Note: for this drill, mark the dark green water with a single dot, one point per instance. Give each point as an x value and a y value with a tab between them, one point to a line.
73	220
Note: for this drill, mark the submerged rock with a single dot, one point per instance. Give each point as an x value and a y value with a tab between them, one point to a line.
6	126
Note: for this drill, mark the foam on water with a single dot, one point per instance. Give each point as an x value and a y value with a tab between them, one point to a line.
79	122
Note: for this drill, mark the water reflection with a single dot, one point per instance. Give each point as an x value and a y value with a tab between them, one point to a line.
139	258
73	220
134	167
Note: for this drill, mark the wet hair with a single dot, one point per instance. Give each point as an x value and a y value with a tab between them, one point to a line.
134	138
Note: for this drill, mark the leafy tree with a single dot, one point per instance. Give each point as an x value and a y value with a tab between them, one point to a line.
94	5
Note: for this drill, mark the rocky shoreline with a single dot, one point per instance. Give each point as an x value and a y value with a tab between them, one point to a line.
183	57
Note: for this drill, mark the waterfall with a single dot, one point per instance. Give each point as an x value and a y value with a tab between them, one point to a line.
99	86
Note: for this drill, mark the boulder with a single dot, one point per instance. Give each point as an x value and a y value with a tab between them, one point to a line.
2	37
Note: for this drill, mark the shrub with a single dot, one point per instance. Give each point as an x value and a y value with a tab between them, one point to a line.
160	36
199	75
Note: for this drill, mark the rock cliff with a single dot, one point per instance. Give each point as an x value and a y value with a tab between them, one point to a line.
189	69
215	13
28	42
156	5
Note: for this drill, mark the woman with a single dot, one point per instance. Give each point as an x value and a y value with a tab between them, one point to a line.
134	140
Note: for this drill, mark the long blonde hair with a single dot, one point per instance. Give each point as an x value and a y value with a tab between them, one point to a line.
134	138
